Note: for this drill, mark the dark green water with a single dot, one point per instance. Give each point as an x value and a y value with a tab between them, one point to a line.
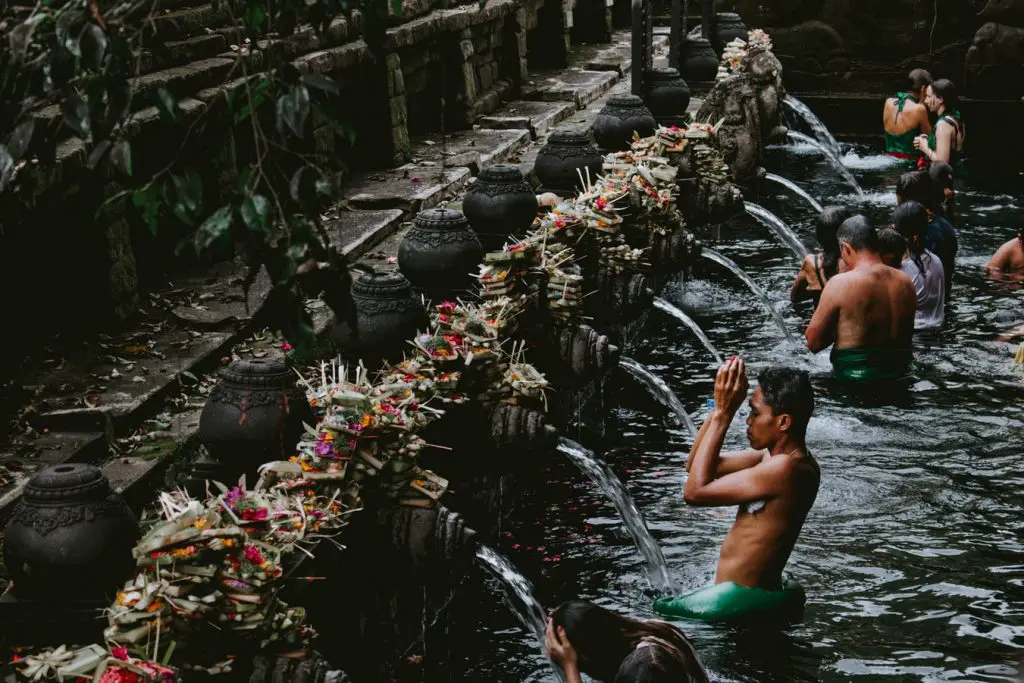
913	555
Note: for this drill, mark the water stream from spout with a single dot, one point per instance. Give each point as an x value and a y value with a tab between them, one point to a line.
611	486
660	390
518	595
836	162
730	265
820	131
680	315
795	189
779	227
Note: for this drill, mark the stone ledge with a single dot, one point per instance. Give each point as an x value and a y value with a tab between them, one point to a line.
537	117
577	86
355	233
411	187
473	149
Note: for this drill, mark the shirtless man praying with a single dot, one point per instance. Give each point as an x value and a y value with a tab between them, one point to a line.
774	483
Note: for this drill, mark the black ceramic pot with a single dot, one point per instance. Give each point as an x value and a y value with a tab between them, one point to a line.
728	27
619	119
440	254
566	152
499	205
253	415
668	95
697	60
70	537
388	314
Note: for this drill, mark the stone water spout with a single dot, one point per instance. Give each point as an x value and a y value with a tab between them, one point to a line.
428	537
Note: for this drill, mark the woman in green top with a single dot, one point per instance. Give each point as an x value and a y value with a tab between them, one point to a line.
946	141
904	117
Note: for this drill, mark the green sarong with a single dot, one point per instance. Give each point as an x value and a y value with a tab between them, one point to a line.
728	601
870	364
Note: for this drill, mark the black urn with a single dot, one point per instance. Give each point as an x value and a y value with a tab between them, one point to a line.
697	60
499	205
622	116
440	254
566	152
70	537
728	27
253	415
667	95
388	315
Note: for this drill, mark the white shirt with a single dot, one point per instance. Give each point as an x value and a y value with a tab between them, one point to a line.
930	289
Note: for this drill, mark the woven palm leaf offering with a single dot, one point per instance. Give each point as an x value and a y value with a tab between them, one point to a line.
93	663
671	141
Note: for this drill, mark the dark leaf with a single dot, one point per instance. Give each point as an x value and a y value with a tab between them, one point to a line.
6	168
321	82
167	105
147	201
187	197
303	186
350	132
21	138
243	180
119	100
97	154
255	210
69	32
293	109
257	94
396	7
121	157
76	113
255	13
93	46
20	37
286	21
213	229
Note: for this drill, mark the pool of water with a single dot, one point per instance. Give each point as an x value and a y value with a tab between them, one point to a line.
913	555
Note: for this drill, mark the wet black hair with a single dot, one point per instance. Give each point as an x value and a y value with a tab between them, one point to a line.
918	78
891	241
940	174
945	89
911	221
916	186
606	643
788	391
858	232
829	220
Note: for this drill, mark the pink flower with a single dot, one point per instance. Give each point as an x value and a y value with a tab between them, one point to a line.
286	346
257	515
253	554
324	448
120	652
233	496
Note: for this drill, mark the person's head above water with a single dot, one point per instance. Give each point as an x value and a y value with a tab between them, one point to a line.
941	96
915	186
918	82
891	247
827	224
606	646
780	407
856	237
911	221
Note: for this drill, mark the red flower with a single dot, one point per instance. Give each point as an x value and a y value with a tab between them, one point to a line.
121	653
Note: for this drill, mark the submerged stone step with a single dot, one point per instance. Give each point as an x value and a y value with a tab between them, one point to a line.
579	86
534	116
474	149
412	187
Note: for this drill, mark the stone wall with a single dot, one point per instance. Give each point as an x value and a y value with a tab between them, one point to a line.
869	46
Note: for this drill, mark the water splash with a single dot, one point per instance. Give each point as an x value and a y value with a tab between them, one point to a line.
795	189
730	265
690	323
870	162
843	172
611	486
660	390
816	126
779	227
518	595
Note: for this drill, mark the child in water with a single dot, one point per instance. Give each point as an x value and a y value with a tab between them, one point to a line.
891	247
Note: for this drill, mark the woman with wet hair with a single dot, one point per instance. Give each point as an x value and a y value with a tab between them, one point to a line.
585	638
816	269
946	141
904	116
922	266
940	238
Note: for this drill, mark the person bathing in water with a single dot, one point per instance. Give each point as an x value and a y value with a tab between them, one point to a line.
818	268
866	312
940	238
1008	261
922	267
774	483
904	116
946	140
582	637
891	247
